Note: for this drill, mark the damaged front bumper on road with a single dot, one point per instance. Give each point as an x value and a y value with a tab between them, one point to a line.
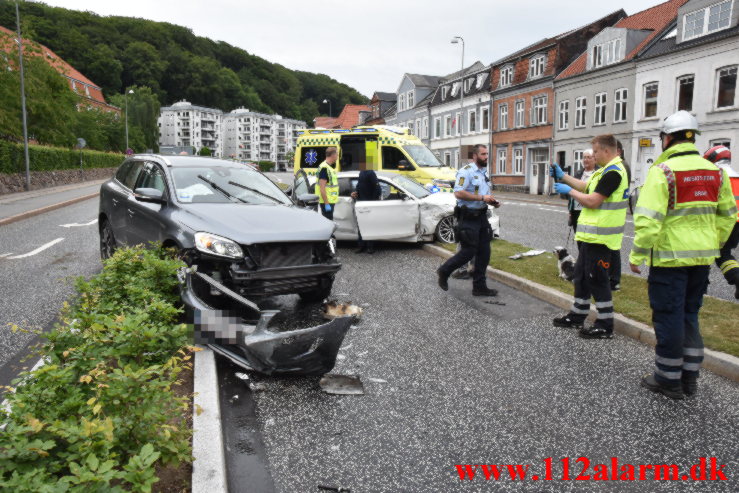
310	351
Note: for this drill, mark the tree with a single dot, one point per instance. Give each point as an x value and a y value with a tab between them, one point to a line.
143	111
204	151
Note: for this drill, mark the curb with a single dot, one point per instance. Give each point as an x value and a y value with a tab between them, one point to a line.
209	464
48	208
719	363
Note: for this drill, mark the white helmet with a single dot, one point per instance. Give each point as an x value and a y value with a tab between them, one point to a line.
680	121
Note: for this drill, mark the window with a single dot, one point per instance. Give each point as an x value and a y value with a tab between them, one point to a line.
597	56
577	161
600	109
506	76
410	127
391	157
650	99
472	124
564	115
721	142
503	117
539	110
520	114
448	159
480	79
468	84
485	119
685	93
726	94
619	107
443	92
457	124
401	102
437	127
502	156
536	66
581	106
418	128
426	127
707	20
455	89
448	126
411	97
518	161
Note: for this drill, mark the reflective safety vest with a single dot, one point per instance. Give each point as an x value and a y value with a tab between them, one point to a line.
734	178
686	210
605	225
332	187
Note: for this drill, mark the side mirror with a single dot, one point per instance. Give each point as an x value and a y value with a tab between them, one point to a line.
403	165
149	195
309	199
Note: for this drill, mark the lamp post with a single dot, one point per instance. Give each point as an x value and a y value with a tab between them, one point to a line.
455	40
329	106
130	91
23	99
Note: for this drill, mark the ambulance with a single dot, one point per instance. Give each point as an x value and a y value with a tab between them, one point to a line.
377	147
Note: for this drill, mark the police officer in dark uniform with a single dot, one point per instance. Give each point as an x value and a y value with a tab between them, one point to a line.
472	190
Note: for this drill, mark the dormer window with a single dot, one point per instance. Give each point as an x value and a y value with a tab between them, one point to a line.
411	97
506	76
606	53
444	90
468	84
707	20
455	89
536	66
480	79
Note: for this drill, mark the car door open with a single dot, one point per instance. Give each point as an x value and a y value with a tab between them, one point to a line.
396	217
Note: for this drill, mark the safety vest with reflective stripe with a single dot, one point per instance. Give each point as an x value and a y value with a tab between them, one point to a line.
685	212
605	225
734	178
332	187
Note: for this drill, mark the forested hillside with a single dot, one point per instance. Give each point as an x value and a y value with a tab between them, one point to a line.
118	52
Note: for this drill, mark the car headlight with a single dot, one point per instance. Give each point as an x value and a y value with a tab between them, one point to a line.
217	245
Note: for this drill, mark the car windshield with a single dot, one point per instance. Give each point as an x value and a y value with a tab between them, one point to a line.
222	184
411	186
423	156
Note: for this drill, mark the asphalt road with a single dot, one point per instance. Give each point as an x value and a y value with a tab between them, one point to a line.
544	226
34	287
450	379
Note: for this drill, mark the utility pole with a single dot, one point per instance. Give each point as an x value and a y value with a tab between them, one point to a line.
23	99
455	40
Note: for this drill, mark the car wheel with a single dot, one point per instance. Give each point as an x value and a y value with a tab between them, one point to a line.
445	230
107	240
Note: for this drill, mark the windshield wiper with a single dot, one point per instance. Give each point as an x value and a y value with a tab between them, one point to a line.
255	191
219	189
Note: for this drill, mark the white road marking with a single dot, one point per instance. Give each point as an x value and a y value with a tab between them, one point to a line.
73	225
6	254
38	250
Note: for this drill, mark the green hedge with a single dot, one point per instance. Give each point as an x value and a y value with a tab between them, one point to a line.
101	415
265	165
53	158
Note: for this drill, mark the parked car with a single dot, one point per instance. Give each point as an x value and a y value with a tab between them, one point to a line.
228	219
407	211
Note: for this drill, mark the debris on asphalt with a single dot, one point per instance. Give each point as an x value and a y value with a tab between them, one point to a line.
340	357
342	384
257	387
494	302
530	253
335	489
377	380
332	310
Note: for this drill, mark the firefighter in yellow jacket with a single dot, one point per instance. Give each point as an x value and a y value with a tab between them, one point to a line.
600	230
684	215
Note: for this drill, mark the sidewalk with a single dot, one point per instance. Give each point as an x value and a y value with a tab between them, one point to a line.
20	205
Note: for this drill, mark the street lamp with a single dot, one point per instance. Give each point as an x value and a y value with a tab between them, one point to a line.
329	105
455	40
23	98
130	91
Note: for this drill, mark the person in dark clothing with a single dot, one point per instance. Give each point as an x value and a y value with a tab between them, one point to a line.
367	188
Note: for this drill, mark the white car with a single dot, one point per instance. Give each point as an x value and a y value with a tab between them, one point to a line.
406	212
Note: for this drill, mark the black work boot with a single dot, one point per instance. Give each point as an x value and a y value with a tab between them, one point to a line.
484	291
597	331
568	322
649	382
690	385
443	279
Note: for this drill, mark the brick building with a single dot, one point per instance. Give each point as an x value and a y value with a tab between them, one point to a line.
522	99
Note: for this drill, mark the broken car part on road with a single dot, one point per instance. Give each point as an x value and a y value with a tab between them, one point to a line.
253	346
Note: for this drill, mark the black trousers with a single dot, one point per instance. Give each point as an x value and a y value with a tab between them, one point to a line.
327	214
475	235
591	279
726	262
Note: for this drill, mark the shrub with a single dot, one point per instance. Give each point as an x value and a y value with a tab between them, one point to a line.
44	158
266	165
101	413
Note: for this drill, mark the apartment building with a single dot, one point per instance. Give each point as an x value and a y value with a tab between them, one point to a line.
252	136
523	106
187	125
692	67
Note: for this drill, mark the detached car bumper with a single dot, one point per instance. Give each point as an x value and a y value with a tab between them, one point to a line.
310	351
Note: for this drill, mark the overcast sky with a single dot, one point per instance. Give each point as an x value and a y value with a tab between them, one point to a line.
369	45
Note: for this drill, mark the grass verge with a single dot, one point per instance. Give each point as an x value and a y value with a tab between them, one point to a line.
718	318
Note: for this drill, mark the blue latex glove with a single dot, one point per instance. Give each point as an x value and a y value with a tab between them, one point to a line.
556	172
562	188
327	207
